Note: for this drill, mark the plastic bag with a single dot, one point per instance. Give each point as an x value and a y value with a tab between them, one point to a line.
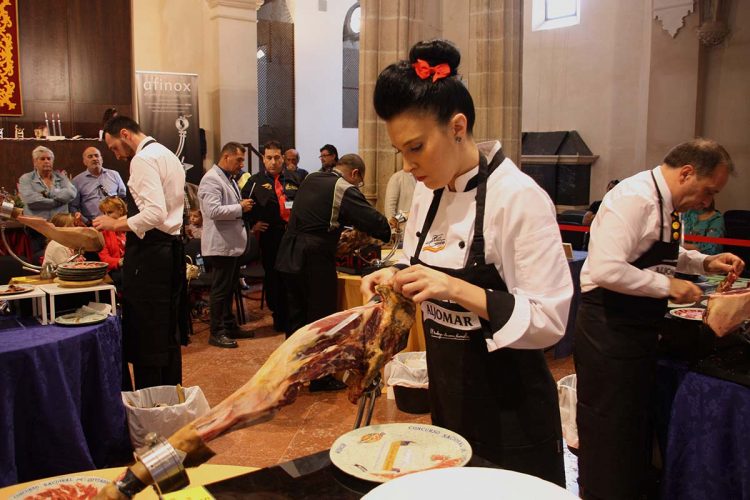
568	396
408	369
145	416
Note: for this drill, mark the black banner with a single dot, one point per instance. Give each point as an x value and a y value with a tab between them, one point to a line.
168	111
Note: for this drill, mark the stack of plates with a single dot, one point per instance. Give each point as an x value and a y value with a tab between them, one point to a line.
81	271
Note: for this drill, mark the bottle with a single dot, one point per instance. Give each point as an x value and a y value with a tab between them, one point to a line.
199	263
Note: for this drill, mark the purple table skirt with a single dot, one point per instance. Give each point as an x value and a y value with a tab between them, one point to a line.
60	404
708	440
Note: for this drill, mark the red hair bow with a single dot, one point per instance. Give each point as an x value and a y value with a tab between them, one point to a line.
423	70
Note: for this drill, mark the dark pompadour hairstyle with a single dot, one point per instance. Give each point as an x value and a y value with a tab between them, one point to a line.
271	145
703	154
399	89
119	122
231	148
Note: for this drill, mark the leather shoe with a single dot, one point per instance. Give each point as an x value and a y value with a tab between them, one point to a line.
326	384
236	333
221	340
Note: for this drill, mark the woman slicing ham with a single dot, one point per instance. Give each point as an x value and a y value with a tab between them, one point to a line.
485	251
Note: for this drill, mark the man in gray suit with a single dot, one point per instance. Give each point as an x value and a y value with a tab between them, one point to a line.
223	240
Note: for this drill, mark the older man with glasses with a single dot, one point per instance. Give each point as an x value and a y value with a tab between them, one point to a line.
329	157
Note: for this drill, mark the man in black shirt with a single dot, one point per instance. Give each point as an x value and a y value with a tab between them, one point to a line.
273	193
325	203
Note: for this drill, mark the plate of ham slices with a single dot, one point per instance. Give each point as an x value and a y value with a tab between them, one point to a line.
691	313
63	488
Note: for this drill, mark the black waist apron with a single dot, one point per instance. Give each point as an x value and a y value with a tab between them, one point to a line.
154	294
616	339
504	402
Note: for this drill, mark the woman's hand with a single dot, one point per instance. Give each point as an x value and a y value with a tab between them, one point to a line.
421	283
379	277
723	263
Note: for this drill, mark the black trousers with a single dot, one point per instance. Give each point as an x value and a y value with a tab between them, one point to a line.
311	294
225	273
273	281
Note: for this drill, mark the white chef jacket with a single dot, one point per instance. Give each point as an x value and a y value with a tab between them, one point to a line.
157	184
522	240
625	227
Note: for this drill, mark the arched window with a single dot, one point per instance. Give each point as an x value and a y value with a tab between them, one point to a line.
350	68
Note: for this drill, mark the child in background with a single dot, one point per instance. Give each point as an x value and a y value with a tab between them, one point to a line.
55	253
114	242
194	230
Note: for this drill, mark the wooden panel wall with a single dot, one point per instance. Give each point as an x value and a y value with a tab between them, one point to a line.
76	60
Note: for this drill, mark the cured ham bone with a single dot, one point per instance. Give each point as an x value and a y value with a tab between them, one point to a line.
360	340
727	311
77	238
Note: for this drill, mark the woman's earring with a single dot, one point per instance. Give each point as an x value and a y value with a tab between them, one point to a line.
458	139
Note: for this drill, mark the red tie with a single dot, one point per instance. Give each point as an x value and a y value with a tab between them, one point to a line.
283	211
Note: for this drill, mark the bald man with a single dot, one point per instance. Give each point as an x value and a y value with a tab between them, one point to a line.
94	184
291	164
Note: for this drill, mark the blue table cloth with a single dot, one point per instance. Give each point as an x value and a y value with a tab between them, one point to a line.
708	440
565	346
61	409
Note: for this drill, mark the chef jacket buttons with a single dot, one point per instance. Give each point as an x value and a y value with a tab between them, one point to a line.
461	244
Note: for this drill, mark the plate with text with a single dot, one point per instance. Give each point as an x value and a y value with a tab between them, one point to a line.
383	452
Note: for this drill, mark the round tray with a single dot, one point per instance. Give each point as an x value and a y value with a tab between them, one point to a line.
77	284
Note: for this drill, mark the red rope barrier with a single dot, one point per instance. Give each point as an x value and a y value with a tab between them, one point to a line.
688	237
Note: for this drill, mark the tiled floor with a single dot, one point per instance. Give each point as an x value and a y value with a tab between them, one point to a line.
309	425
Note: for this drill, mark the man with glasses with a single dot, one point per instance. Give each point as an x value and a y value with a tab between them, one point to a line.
273	192
93	185
325	204
329	157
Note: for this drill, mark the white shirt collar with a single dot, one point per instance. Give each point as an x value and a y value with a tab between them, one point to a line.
143	143
488	149
666	194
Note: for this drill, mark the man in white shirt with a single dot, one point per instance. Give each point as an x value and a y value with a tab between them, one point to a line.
626	281
154	309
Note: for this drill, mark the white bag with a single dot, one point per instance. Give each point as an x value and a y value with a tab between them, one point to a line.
145	416
568	396
408	369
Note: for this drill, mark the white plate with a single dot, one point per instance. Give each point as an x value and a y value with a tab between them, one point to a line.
383	452
691	313
80	319
476	483
686	304
5	290
64	488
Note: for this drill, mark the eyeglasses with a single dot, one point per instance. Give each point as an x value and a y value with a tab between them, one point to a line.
325	155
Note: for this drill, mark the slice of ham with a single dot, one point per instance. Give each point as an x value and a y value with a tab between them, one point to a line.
360	340
727	311
726	283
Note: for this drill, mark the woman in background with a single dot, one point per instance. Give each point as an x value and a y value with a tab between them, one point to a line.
706	222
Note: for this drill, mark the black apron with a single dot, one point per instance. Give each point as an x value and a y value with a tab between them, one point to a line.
154	296
615	354
503	402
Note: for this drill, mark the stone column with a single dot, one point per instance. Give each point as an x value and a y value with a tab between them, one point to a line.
389	29
233	26
494	71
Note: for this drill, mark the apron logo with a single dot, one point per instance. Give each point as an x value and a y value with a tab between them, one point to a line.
665	269
436	243
453	320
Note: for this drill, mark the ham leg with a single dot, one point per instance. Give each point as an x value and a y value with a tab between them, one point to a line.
360	340
727	311
77	238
